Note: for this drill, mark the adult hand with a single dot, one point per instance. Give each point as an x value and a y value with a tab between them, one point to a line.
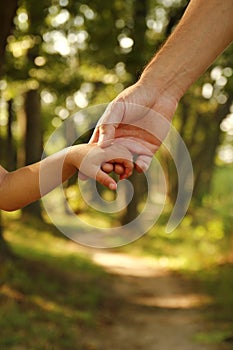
139	118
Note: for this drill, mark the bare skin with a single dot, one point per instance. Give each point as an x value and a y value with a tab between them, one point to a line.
204	31
25	185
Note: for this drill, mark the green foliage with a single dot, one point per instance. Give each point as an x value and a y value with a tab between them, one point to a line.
220	199
78	54
218	283
213	337
83	53
49	293
203	238
53	287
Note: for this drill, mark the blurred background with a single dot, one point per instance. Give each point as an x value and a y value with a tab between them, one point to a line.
56	58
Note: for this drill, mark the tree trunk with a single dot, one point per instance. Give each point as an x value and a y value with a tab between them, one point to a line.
11	158
33	140
135	60
8	159
5	251
205	160
132	210
7	12
2	246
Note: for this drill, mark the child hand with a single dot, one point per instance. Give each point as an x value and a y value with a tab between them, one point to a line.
93	157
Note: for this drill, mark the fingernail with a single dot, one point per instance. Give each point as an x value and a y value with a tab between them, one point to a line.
112	186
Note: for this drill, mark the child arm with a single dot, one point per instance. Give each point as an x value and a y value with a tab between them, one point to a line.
25	185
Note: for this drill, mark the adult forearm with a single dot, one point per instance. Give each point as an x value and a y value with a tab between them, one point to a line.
204	31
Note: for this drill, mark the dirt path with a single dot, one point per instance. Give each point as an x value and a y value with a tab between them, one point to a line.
156	309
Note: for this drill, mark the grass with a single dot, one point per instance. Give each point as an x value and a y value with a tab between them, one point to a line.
50	293
217	282
201	248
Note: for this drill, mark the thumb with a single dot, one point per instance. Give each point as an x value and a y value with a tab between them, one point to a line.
106	134
106	180
95	136
110	120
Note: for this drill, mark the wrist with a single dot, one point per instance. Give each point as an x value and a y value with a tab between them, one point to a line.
72	160
165	81
164	94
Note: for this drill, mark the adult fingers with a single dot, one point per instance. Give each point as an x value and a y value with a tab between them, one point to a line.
82	176
109	121
137	146
142	163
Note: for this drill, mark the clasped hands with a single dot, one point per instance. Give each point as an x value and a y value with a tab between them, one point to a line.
139	120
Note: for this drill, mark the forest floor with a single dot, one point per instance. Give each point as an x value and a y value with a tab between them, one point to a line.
155	309
54	296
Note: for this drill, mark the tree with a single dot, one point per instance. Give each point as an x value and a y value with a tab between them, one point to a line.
73	54
134	62
7	13
33	139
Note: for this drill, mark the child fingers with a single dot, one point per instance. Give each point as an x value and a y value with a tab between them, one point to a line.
118	169
113	167
107	167
128	169
106	180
